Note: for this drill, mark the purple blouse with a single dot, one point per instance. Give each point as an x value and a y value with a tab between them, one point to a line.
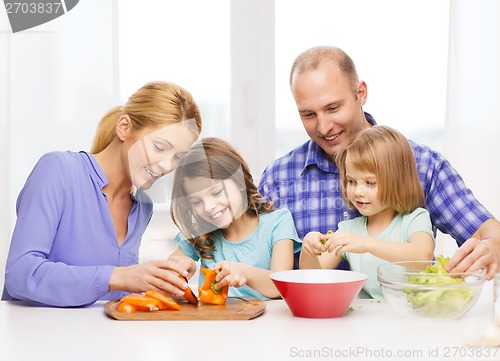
64	246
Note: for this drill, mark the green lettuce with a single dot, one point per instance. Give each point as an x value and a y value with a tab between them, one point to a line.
437	302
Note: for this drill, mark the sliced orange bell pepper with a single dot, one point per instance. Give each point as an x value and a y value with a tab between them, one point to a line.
208	293
126	307
142	302
167	302
189	295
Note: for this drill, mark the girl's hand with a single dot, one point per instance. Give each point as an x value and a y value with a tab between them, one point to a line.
159	275
347	242
231	274
315	243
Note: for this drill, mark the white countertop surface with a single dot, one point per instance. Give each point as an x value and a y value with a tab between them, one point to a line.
371	331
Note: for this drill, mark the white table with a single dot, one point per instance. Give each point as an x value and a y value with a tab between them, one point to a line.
372	331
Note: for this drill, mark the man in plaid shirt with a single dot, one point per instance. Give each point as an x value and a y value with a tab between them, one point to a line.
330	101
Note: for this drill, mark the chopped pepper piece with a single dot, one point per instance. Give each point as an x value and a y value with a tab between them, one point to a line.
208	293
323	241
166	301
189	295
142	302
151	300
126	307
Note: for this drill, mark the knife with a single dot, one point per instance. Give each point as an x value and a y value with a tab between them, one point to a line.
189	295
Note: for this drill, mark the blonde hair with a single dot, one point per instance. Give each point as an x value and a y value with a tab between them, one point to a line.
211	158
387	154
312	58
154	104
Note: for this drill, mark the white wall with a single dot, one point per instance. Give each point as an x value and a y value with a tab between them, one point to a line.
5	210
252	81
473	117
56	81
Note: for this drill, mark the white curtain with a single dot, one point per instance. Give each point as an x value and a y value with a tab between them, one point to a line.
473	117
56	81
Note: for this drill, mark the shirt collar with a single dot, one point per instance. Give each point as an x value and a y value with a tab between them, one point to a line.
95	169
370	119
316	156
99	176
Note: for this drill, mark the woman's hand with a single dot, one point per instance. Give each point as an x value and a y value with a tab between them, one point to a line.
160	275
230	274
184	263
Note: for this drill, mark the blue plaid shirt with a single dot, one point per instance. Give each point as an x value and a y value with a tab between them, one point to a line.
307	182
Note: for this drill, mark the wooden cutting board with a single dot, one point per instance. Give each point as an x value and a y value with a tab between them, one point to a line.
236	308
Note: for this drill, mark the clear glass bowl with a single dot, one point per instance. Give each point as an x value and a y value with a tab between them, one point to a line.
414	293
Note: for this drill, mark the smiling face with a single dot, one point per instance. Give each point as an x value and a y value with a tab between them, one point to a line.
330	109
217	202
152	154
362	190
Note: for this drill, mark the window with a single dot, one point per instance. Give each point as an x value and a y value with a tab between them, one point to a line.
400	49
185	42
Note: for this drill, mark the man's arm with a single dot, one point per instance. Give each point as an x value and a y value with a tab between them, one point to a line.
482	250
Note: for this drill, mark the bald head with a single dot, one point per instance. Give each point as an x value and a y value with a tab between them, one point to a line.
313	58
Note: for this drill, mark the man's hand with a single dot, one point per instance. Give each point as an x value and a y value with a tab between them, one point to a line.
480	251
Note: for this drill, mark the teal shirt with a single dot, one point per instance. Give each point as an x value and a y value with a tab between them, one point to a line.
399	230
256	250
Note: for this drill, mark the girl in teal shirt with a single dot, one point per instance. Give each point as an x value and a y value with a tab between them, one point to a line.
227	225
379	178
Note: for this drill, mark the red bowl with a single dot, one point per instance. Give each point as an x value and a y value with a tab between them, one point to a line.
318	293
